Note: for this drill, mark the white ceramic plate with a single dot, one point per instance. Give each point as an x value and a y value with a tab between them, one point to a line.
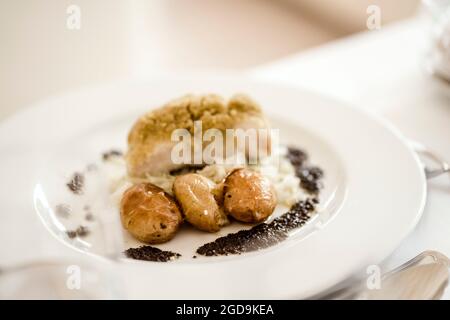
374	187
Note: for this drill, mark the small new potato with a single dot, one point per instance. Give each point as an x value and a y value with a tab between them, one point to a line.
248	196
149	213
196	195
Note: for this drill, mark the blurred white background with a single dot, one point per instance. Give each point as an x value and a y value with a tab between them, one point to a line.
40	56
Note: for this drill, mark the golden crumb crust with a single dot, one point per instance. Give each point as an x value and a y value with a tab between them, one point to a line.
152	132
181	113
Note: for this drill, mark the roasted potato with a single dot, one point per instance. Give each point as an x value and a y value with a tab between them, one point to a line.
150	214
195	195
248	196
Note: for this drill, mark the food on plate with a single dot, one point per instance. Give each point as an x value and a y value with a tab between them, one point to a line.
248	196
76	183
262	235
275	188
157	194
195	194
81	232
149	253
149	213
150	143
310	176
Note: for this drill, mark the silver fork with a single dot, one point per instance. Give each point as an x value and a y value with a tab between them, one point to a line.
421	278
424	152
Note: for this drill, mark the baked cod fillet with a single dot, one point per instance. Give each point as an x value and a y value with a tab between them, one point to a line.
149	141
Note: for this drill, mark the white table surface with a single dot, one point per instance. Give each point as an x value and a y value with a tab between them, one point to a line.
383	71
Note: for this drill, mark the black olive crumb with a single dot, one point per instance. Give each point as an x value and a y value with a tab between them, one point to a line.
149	253
111	154
310	176
262	235
81	232
296	156
76	183
71	234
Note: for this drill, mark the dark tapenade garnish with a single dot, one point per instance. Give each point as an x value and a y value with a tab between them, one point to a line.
262	235
309	176
76	183
81	232
111	154
149	253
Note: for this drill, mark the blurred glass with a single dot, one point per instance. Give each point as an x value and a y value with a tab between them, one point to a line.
438	56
